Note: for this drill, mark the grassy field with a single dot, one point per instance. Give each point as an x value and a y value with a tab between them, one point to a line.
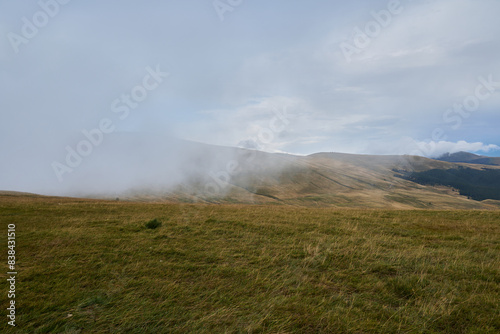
94	267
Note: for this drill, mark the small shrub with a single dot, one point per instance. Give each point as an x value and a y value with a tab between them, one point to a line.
152	224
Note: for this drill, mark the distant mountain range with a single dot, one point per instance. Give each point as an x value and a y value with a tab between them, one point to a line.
470	158
214	174
326	179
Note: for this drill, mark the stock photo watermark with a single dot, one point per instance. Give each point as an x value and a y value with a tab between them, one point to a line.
31	26
362	37
122	107
224	6
11	274
454	116
460	111
221	180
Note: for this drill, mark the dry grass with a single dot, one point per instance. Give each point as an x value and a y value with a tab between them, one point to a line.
251	269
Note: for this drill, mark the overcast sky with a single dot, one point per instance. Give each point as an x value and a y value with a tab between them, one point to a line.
296	76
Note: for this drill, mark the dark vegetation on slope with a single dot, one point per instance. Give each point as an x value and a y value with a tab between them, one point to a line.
476	184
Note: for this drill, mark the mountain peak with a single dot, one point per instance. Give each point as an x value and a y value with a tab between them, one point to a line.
459	157
471	158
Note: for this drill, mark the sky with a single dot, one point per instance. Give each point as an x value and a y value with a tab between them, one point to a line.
300	77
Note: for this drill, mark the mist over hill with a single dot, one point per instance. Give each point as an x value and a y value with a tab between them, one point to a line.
156	168
194	172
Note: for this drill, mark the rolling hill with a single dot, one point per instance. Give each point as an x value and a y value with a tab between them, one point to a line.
234	175
183	171
470	158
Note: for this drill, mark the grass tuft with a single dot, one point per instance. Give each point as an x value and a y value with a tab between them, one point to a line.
153	224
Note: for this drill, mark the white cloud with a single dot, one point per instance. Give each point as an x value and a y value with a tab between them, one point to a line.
260	123
304	129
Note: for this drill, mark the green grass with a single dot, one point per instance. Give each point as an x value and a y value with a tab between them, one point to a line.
94	267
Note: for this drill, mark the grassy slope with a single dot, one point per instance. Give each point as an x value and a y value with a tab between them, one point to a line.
91	266
325	179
